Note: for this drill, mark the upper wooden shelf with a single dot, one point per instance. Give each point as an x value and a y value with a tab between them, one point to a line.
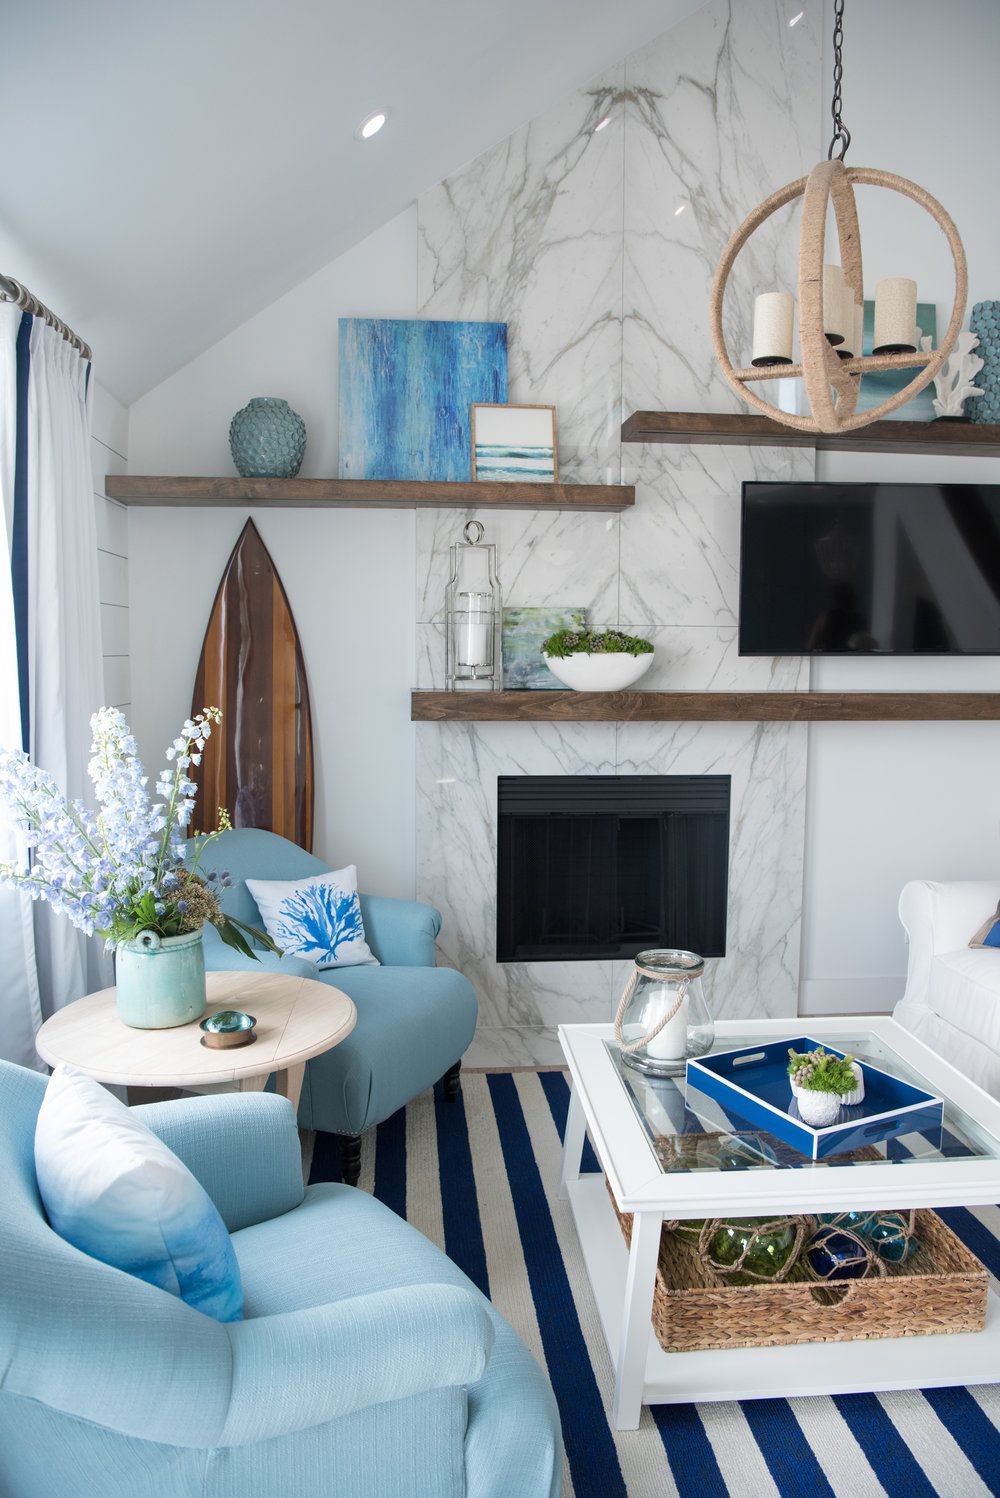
703	707
729	429
396	494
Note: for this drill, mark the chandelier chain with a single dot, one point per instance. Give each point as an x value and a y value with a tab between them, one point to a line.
841	134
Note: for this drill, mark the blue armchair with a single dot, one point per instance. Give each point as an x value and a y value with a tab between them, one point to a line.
415	1020
367	1364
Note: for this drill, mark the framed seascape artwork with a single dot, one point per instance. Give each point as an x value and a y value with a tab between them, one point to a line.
523	633
514	444
879	386
406	388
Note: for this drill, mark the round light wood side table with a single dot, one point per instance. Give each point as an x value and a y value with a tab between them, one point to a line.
296	1018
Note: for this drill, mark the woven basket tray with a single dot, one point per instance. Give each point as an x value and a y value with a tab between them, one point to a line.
942	1289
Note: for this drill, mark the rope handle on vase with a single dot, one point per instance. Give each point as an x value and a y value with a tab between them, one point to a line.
636	1045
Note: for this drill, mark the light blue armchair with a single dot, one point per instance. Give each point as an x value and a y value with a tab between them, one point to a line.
415	1020
367	1366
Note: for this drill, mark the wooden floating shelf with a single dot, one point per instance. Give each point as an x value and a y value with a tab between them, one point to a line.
395	494
703	707
730	429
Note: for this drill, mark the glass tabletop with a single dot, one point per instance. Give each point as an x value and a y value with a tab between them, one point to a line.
691	1131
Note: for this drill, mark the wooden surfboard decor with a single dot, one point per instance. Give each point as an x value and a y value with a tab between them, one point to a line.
259	763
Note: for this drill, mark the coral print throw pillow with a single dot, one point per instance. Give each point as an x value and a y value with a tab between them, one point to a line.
318	918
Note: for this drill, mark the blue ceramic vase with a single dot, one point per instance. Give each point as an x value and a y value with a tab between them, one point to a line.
160	980
267	439
985	323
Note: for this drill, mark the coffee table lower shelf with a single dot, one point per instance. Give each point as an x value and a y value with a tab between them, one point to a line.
769	1372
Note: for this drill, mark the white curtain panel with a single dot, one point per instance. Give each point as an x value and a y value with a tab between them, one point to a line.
20	1005
64	624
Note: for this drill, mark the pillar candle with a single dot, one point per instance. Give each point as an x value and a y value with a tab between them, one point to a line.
772	328
475	630
671	1043
895	315
833	303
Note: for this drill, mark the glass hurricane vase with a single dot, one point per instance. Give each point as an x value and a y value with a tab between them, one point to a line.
662	1016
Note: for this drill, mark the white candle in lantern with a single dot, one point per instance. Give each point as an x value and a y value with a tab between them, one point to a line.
895	315
833	303
773	312
671	1043
475	630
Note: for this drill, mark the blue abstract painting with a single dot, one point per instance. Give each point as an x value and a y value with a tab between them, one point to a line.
405	392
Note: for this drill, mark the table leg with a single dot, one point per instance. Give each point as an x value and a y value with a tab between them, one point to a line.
251	1084
288	1083
633	1344
576	1132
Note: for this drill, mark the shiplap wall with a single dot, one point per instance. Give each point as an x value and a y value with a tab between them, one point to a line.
109	454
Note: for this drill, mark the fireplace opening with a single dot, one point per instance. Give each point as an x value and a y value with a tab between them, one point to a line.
598	866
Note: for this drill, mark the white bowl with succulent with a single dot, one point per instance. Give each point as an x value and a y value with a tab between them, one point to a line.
597	660
822	1084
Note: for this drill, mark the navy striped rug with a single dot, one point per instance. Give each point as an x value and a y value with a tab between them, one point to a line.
479	1177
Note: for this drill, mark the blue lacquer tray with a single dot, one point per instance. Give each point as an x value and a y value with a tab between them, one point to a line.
752	1082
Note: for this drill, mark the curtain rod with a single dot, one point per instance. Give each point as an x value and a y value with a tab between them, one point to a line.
13	291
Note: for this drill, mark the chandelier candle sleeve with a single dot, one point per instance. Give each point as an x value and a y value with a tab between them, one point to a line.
833	303
849	325
773	312
895	315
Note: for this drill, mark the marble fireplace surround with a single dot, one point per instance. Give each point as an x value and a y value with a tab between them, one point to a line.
573	236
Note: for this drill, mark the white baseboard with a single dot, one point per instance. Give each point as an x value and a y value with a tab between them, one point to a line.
865	995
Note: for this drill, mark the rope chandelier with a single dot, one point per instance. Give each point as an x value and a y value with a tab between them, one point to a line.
831	297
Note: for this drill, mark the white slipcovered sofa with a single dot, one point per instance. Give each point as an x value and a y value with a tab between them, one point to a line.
952	998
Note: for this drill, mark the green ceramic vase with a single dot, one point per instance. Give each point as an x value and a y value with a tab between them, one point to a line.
160	980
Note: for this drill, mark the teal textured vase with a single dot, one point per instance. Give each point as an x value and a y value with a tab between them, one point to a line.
267	439
160	980
985	323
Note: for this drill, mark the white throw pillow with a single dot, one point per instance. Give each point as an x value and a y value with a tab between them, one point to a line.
318	918
117	1193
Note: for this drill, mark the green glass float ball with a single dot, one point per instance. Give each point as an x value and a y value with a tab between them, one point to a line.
761	1256
891	1238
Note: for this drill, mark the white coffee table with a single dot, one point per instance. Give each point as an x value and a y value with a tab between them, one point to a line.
621	1113
297	1018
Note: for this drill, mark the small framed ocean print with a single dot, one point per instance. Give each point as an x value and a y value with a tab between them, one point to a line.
515	444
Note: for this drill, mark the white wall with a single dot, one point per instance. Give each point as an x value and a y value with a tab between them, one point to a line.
888	802
349	574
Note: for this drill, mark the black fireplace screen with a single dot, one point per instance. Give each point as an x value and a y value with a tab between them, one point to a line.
598	866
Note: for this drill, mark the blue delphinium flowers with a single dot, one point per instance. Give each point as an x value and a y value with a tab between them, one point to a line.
121	870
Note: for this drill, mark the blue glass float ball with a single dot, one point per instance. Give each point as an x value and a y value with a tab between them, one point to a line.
833	1255
858	1222
890	1236
267	439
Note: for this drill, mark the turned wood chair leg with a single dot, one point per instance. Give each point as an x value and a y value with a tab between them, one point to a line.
350	1158
451	1080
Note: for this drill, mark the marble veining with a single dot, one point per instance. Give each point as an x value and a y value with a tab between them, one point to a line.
573	237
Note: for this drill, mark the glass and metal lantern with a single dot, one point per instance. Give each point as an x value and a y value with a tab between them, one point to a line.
662	1016
472	605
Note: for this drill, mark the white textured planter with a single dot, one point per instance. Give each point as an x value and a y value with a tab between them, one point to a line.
608	672
819	1109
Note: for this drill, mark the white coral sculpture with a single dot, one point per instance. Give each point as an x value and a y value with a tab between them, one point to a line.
954	384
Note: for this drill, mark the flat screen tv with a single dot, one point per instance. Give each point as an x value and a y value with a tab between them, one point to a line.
870	569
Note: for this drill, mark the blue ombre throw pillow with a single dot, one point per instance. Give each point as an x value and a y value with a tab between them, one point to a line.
988	935
116	1192
317	918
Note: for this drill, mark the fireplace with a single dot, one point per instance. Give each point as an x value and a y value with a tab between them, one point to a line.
599	866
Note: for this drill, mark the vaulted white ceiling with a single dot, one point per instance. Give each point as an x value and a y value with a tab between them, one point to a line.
170	168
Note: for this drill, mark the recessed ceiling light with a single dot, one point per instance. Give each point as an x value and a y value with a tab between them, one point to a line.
372	125
601	123
679	209
794	20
